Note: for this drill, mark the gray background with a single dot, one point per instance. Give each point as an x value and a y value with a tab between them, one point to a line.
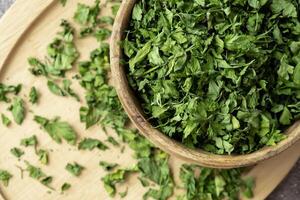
289	189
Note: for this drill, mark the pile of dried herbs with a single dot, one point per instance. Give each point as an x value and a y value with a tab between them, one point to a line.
103	108
219	75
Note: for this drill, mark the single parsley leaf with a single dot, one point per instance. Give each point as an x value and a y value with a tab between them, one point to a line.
108	166
5	176
65	187
55	89
18	110
8	89
5	120
113	141
74	169
57	129
90	144
35	172
43	156
17	152
33	95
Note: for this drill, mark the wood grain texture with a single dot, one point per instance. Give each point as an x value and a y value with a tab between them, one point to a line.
29	26
167	144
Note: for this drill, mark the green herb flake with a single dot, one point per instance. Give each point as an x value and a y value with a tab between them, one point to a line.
57	129
17	152
110	180
90	144
33	95
5	176
113	141
43	156
65	187
5	90
30	141
5	120
55	89
108	166
35	172
18	110
75	169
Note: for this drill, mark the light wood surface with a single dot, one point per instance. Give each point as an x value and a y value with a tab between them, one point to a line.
25	31
132	107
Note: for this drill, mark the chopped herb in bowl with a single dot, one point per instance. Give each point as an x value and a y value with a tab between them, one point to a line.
223	76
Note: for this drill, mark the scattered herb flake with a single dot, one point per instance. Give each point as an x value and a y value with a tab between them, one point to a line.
74	169
43	156
65	187
17	152
5	120
18	110
33	95
5	176
57	129
108	166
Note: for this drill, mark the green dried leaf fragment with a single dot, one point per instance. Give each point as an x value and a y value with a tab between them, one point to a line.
90	144
18	110
57	129
33	95
17	152
5	176
5	120
75	169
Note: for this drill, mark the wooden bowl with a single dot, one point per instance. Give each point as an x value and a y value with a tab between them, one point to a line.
135	113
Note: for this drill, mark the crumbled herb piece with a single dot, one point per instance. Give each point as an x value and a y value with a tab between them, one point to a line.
35	172
65	187
90	144
57	129
115	9
55	89
110	180
33	95
74	169
108	166
67	87
43	156
102	34
5	176
113	141
31	141
47	181
17	152
62	53
156	168
87	15
8	89
123	194
5	120
221	76
18	110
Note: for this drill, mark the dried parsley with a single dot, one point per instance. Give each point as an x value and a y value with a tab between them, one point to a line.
65	187
33	95
62	54
221	76
17	109
5	120
43	156
5	176
17	152
108	166
74	169
90	144
30	141
8	89
213	183
57	129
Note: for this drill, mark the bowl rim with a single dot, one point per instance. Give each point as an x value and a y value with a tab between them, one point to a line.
159	139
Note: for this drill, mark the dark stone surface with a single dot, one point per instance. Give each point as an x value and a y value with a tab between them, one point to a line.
289	189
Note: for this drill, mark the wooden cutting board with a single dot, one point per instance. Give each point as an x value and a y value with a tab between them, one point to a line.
25	31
